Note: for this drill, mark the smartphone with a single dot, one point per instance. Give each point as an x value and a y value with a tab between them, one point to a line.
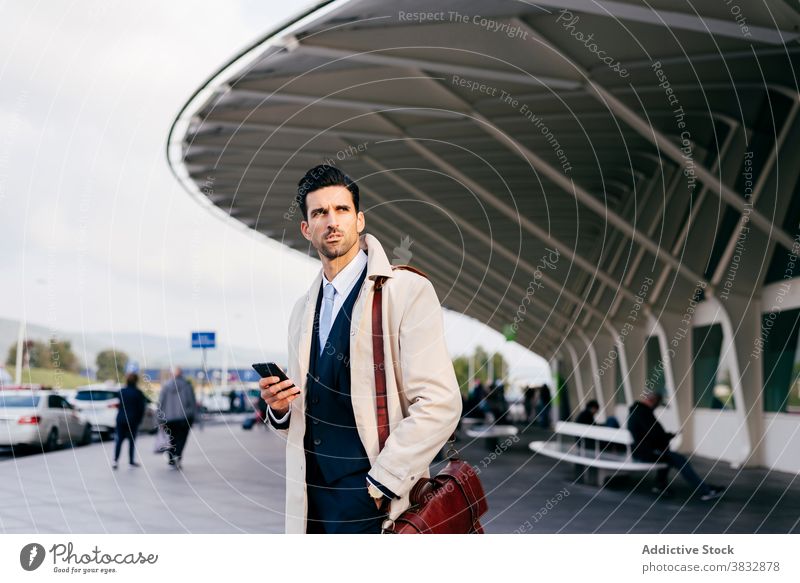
270	369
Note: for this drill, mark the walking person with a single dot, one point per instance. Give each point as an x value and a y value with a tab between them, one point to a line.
338	478
177	407
132	404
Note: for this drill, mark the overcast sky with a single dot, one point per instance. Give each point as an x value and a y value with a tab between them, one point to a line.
95	232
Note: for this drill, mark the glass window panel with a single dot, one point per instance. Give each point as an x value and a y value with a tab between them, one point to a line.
712	380
779	331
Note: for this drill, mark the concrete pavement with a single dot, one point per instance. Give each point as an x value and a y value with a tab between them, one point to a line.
232	482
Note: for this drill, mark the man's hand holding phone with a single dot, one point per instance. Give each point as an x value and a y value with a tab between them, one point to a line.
276	388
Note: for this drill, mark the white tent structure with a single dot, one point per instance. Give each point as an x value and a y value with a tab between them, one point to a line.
615	180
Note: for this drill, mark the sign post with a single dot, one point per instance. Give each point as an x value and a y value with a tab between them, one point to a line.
204	340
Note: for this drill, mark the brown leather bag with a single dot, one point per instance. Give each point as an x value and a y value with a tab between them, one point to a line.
453	501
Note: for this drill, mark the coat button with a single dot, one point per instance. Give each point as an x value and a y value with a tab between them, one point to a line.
315	400
317	441
315	421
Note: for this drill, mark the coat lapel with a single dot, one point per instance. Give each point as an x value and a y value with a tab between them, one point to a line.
304	354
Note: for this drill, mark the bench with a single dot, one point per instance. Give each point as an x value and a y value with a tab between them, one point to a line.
491	433
594	456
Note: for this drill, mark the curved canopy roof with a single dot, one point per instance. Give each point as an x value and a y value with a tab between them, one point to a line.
556	163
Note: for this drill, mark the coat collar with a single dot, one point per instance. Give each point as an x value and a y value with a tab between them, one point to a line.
377	263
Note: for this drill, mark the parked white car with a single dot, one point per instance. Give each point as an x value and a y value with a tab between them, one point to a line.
41	419
99	404
216	402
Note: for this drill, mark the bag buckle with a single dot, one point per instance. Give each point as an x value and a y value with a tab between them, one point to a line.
451	451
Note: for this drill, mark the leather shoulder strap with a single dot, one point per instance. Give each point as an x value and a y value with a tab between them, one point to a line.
381	402
414	269
379	365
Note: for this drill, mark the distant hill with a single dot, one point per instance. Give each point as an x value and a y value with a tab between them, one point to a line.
46	377
149	350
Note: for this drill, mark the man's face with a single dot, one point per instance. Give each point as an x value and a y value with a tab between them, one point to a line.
333	225
654	401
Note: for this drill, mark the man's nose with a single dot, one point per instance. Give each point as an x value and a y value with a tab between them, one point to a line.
331	222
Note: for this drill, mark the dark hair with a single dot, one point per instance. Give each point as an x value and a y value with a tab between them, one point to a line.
319	177
132	378
592	404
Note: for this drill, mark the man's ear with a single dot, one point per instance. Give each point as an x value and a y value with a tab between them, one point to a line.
361	222
305	230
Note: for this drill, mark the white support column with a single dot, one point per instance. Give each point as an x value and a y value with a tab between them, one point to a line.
595	368
678	332
576	370
657	330
619	347
745	371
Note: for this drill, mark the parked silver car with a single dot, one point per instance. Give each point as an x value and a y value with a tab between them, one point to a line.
41	419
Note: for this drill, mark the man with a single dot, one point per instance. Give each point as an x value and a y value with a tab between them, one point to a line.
651	444
588	414
336	481
176	410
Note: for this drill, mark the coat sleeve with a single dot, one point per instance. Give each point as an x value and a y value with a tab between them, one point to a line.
429	384
283	422
282	425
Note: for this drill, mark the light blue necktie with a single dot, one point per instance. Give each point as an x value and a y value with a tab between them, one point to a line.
325	317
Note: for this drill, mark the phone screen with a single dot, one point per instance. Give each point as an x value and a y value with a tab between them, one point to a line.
269	369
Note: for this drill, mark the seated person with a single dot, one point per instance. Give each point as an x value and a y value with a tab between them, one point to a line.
651	444
586	416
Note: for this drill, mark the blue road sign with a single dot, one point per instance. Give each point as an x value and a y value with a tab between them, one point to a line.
204	339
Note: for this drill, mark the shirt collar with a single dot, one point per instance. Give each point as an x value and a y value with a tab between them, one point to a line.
345	278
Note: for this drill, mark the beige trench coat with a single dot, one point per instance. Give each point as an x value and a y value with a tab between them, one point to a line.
422	392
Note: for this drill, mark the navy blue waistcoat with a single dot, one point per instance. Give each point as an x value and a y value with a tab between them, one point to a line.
331	433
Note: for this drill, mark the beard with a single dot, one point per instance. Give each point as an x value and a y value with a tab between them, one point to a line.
337	248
